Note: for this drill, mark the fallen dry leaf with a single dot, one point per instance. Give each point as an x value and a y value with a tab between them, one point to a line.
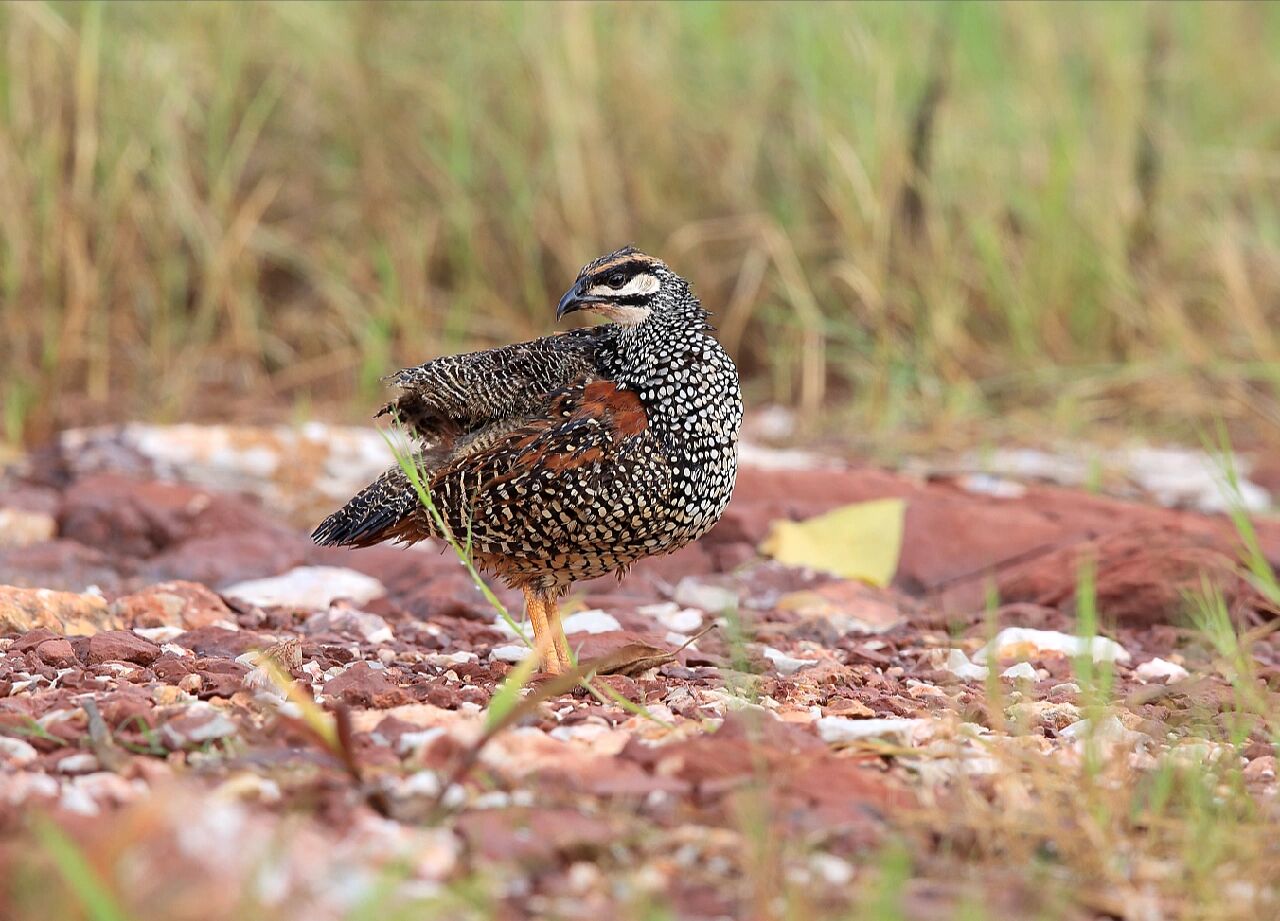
859	541
636	658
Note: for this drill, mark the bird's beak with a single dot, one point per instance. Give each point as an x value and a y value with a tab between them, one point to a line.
575	298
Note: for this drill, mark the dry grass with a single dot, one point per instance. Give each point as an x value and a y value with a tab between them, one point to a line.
927	214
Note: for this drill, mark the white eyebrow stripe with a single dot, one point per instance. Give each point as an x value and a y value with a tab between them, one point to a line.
644	283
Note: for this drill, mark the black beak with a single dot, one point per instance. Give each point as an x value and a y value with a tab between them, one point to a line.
575	298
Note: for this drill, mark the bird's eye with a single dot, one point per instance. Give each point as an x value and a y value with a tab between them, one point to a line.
616	280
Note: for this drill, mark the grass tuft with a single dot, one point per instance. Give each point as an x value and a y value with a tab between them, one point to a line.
930	214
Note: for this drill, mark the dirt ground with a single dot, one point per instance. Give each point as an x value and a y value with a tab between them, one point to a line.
825	749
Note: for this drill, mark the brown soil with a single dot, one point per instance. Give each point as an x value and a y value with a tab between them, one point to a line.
177	741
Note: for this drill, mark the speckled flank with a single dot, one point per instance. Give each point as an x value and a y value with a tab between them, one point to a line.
570	456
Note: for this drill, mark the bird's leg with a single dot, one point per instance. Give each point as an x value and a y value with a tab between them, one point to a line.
552	602
543	640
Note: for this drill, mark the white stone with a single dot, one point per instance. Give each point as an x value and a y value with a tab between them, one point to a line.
77	800
427	783
493	799
79	763
16	787
936	770
448	659
215	726
160	635
673	616
249	659
411	743
1201	752
715	599
986	484
775	422
249	786
1157	669
762	457
833	870
260	681
512	653
308	588
785	664
835	730
370	627
107	787
220	727
1173	476
959	665
1183	477
584	732
420	783
16	751
1023	642
1045	712
1022	671
1032	464
1109	729
593	621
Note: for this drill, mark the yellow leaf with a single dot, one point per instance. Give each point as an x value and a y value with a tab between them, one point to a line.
859	541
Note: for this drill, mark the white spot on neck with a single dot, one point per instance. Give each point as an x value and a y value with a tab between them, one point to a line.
622	314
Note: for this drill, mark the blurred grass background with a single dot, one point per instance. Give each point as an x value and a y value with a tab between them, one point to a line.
916	220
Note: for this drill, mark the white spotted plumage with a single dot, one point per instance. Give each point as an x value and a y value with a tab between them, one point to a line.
571	456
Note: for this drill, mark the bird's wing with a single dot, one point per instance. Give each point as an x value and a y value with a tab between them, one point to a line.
459	407
458	395
586	477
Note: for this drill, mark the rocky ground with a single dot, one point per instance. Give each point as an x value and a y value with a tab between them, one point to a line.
949	746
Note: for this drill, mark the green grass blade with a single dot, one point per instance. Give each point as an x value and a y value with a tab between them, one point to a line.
507	695
93	894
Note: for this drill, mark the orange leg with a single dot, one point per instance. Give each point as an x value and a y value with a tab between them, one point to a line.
561	641
544	643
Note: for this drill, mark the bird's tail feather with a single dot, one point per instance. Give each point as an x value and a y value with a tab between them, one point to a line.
381	511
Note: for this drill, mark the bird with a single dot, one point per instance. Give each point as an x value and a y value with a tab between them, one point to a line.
570	456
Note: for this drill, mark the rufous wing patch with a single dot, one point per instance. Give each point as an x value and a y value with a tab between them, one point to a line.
620	411
555	444
621	408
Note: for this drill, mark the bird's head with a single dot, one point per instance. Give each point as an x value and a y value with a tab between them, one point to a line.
625	286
